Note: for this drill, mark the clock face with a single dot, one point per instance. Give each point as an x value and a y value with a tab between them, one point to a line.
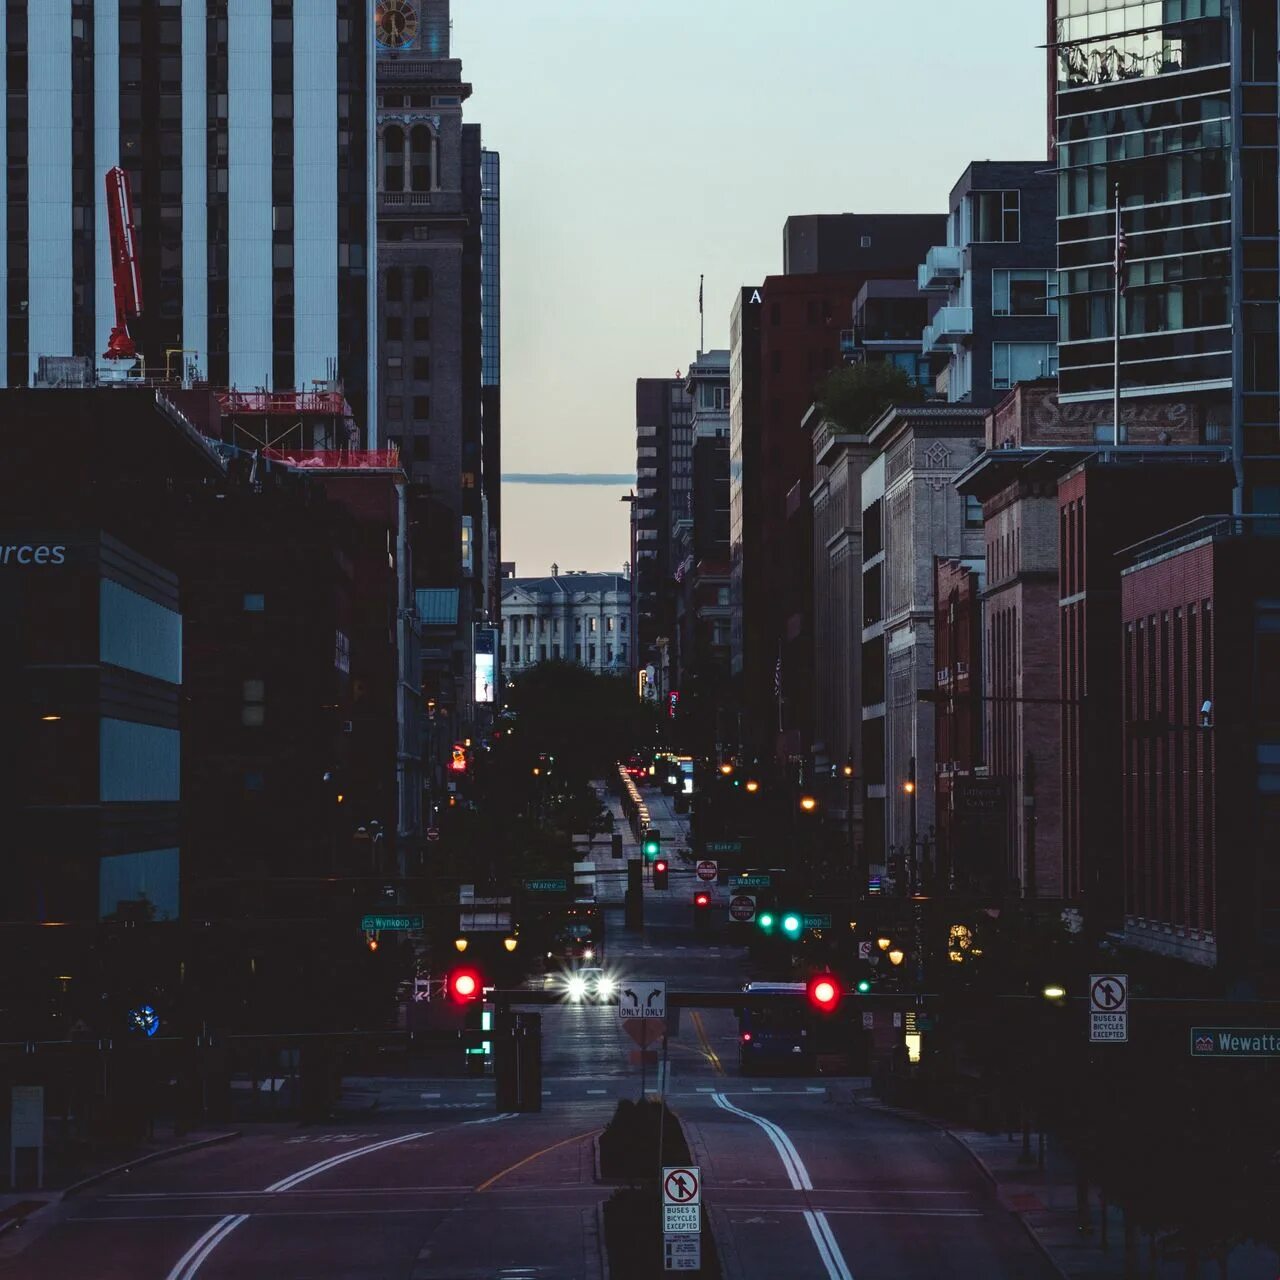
395	23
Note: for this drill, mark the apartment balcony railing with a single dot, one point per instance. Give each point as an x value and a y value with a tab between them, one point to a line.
942	267
950	325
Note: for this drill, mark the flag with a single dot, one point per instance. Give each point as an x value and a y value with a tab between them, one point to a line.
700	280
777	676
1122	253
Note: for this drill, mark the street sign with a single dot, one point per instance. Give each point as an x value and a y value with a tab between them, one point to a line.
866	949
681	1184
554	885
682	1253
868	1021
1108	1008
642	1000
645	1031
751	882
400	920
723	846
707	870
1235	1042
822	920
681	1219
433	833
1109	992
742	908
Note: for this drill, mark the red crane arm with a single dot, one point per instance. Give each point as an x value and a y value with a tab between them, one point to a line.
126	274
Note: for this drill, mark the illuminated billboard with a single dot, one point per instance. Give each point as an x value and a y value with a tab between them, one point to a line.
486	664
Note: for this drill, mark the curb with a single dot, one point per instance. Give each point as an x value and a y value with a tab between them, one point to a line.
151	1156
985	1169
602	1247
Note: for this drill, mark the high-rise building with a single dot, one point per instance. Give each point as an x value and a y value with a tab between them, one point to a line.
1172	112
431	345
244	132
491	363
664	414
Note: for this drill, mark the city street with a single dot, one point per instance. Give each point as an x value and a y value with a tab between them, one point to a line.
422	1180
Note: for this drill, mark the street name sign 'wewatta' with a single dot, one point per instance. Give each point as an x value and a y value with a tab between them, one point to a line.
1235	1042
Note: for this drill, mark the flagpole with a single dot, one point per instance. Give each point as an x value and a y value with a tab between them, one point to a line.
702	321
1115	407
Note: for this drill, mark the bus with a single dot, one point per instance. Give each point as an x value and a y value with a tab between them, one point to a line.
778	1036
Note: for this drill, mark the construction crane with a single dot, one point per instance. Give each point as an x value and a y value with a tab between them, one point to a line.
126	274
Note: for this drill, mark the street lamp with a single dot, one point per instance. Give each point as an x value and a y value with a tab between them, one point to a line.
808	803
509	943
752	786
460	943
726	769
1055	993
896	956
883	943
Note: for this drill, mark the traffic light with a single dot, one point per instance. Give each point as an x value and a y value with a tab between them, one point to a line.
824	992
660	874
701	900
792	924
464	986
864	986
766	922
652	845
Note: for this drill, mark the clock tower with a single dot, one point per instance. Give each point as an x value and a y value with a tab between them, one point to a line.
429	327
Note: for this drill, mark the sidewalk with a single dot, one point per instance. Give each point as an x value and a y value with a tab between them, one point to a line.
69	1176
1044	1201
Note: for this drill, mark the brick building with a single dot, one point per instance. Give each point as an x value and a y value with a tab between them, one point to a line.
1201	772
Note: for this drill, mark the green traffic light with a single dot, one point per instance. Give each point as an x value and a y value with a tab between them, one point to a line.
651	848
791	925
766	921
863	987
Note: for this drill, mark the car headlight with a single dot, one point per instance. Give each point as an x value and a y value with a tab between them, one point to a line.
588	953
577	988
606	987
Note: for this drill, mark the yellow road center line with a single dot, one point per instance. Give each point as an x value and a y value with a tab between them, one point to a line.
707	1051
577	1137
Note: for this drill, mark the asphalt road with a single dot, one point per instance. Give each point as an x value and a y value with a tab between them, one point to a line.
420	1180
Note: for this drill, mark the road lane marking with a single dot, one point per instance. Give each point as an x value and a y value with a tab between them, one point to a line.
286	1184
504	1115
597	1090
798	1176
577	1137
189	1263
707	1051
761	1088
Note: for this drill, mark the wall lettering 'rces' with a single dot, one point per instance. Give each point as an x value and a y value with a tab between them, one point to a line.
33	553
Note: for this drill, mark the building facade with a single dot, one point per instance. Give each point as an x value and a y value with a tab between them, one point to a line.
1173	111
573	617
245	134
1201	649
996	274
911	513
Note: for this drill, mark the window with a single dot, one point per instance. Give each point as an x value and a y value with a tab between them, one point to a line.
608	653
422	448
422	368
253	703
623	621
395	407
421	407
972	511
1014	362
591	625
421	328
591	655
995	216
254	602
421	283
504	655
395	328
555	652
542	653
468	544
420	158
393	159
1024	293
515	654
577	653
608	624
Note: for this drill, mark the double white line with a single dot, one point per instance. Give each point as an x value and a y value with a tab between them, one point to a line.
191	1261
798	1176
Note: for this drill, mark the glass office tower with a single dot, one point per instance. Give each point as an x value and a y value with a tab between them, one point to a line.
1172	104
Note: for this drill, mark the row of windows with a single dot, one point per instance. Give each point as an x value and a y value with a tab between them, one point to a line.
526	622
520	655
421	408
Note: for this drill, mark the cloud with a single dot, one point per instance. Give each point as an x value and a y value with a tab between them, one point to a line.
568	477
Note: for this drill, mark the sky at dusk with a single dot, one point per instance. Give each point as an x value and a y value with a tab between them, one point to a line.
643	144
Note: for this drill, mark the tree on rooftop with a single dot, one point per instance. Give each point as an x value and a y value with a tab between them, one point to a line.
854	396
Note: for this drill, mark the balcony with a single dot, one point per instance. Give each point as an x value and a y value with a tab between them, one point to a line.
942	267
950	325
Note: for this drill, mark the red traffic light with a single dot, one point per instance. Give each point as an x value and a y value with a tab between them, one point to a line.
660	865
701	899
464	985
824	993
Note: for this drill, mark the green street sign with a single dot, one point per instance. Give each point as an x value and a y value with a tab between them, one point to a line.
546	886
1235	1042
723	846
820	921
750	882
371	924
